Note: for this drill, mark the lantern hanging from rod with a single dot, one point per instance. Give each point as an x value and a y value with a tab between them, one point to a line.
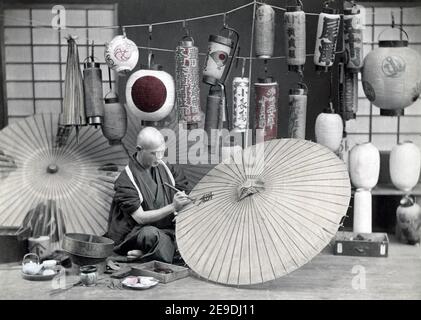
329	128
219	50
264	31
121	54
391	76
187	82
348	93
215	115
404	165
297	111
266	96
114	127
295	36
94	96
326	38
353	36
240	104
73	101
150	94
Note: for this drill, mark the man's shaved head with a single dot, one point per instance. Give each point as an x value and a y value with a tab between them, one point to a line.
150	138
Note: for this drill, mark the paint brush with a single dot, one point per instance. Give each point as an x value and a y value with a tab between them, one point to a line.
175	189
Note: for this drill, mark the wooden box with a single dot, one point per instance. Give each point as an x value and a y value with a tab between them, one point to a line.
361	244
13	244
156	269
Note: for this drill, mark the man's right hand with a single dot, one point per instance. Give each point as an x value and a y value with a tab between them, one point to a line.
180	200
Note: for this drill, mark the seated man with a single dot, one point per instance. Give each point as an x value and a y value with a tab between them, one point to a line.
142	212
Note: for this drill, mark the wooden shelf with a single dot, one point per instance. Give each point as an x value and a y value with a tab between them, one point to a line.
390	190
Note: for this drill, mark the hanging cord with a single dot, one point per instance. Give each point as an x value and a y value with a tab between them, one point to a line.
246	142
150	54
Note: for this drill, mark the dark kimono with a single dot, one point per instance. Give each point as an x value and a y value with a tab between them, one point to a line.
156	240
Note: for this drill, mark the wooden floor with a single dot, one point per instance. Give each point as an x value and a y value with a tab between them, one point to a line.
325	277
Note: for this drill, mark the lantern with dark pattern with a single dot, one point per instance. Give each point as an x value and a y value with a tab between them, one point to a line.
150	94
295	35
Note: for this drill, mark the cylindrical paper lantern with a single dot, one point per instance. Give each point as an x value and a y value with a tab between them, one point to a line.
121	54
266	94
391	76
404	165
295	35
187	81
219	49
349	95
213	118
264	31
364	165
93	92
326	37
240	104
362	211
329	129
114	127
353	35
297	113
150	94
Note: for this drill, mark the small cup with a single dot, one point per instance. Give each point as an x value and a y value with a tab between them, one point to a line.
88	275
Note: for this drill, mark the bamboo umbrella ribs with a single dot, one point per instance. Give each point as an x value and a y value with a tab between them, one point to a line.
72	175
264	212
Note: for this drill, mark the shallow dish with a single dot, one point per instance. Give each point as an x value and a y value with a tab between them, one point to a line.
139	282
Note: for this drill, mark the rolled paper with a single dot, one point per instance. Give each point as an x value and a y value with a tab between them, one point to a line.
264	31
295	35
326	38
219	49
94	96
187	82
266	94
240	104
297	113
362	211
353	36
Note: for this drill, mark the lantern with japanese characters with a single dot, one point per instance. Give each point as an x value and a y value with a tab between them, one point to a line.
353	35
391	76
240	104
265	31
326	38
266	94
295	35
297	112
187	82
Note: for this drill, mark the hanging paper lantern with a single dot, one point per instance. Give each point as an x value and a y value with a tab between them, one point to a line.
329	129
364	165
214	118
404	165
348	91
353	36
326	38
121	54
265	31
240	104
362	211
219	50
114	127
391	76
93	92
187	81
150	94
295	35
297	112
266	94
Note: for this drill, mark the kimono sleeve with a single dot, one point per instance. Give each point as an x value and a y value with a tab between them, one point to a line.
126	196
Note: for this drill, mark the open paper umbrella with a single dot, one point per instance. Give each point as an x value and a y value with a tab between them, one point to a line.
71	176
264	212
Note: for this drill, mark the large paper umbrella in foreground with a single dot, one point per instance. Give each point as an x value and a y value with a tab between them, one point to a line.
74	177
264	212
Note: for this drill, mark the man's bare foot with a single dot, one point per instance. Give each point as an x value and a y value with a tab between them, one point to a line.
132	254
